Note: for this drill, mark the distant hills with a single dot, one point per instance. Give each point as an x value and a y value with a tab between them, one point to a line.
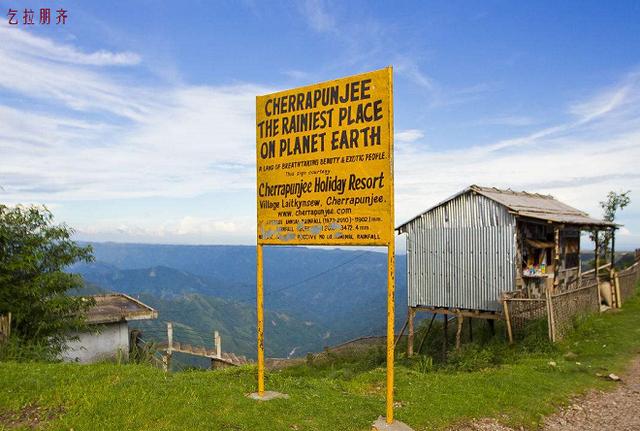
314	297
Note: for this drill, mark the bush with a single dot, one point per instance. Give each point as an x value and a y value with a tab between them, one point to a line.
34	252
15	349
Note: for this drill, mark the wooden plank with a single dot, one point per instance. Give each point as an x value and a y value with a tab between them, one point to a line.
556	258
597	267
410	320
217	341
169	337
507	319
551	317
460	322
616	282
466	313
601	267
445	338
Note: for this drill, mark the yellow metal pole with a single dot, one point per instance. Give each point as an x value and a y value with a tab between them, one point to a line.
260	318
390	327
391	267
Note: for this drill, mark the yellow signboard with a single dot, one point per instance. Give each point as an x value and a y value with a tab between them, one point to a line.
325	163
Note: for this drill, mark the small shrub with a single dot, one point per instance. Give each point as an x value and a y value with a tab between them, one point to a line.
143	353
15	349
472	357
424	364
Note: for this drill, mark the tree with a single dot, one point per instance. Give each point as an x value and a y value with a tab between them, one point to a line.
610	206
34	252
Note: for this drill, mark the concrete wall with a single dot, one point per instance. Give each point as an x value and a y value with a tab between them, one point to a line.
103	345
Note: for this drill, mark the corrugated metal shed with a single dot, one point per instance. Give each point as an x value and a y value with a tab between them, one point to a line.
461	253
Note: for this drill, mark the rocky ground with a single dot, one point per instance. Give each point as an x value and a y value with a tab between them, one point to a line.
618	410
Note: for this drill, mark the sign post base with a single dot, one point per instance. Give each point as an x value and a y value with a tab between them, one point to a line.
382	425
267	396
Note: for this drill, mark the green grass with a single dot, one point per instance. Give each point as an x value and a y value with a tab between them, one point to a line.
515	384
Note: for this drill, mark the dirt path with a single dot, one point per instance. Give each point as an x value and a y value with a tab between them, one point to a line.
618	410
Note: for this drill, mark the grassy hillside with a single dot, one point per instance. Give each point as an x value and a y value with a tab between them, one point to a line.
521	384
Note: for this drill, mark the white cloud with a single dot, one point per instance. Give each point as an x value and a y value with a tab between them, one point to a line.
412	71
409	135
82	135
316	13
44	48
608	100
72	132
185	230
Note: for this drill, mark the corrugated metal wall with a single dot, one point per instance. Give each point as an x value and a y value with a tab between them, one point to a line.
461	254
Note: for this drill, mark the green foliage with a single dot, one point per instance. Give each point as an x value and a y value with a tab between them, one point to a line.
144	353
424	364
472	357
610	206
613	203
15	349
33	255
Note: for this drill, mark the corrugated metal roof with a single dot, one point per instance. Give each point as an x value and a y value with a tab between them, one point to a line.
531	205
117	307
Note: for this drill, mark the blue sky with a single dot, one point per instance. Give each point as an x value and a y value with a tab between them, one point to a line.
135	120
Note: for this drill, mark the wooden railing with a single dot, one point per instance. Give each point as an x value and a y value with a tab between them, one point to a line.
577	295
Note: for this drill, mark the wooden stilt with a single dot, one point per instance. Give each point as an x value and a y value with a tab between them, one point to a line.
492	327
426	334
460	322
445	338
616	283
551	316
470	330
410	319
612	272
404	327
556	259
507	319
597	266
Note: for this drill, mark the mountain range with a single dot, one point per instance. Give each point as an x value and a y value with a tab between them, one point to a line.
314	297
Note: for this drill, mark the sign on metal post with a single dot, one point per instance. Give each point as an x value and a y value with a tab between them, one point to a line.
324	161
325	176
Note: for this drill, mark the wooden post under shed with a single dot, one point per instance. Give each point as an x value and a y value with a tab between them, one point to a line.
507	319
426	334
411	317
445	338
556	258
460	322
597	265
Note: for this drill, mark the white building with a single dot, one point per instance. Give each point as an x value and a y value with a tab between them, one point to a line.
108	337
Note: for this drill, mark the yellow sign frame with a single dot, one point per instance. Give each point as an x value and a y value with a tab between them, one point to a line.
324	163
268	235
